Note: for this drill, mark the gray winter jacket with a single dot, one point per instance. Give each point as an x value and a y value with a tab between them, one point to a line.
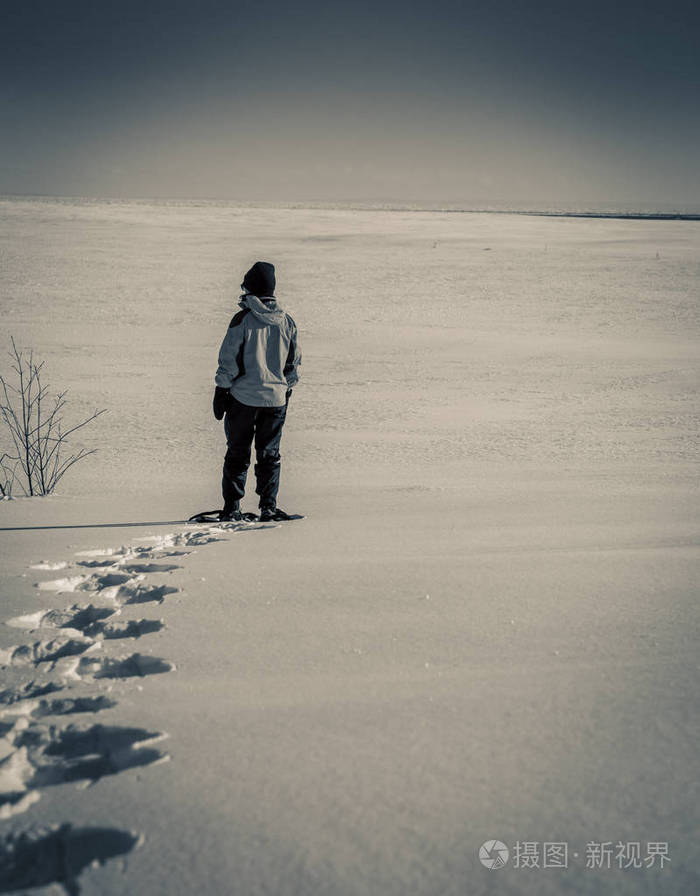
259	357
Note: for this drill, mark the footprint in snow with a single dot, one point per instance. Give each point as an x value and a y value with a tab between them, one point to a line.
77	617
141	594
72	642
45	757
138	564
150	567
62	706
133	591
58	855
163	545
79	754
134	628
94	582
76	742
116	575
109	579
135	666
93	622
82	618
109	563
28	691
46	651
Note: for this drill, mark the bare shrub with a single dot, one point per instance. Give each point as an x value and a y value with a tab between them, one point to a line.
38	457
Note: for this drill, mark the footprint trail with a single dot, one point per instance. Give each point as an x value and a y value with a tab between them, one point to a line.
70	651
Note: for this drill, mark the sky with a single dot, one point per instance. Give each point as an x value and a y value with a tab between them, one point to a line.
443	100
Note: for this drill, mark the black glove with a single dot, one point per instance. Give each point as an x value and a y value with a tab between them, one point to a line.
289	395
221	399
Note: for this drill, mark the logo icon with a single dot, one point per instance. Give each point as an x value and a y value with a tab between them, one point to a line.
493	854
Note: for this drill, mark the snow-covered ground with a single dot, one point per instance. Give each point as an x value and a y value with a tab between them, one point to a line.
485	628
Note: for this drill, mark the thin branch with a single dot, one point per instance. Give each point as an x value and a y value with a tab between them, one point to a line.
84	423
67	464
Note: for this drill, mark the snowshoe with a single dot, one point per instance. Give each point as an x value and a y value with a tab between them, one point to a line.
219	516
206	516
277	515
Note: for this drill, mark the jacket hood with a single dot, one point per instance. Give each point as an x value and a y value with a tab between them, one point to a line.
266	310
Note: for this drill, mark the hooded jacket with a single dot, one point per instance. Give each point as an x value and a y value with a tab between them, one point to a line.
260	356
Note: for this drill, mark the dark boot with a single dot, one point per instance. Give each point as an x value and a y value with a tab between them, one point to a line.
273	514
231	512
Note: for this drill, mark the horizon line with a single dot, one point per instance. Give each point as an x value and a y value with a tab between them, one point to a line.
607	209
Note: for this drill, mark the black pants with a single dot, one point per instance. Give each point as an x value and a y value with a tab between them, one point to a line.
242	424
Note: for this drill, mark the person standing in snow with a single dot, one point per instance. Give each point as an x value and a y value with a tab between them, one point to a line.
258	367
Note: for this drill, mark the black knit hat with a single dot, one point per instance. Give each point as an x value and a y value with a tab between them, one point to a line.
260	279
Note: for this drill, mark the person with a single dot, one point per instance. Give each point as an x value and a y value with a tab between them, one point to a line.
258	368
